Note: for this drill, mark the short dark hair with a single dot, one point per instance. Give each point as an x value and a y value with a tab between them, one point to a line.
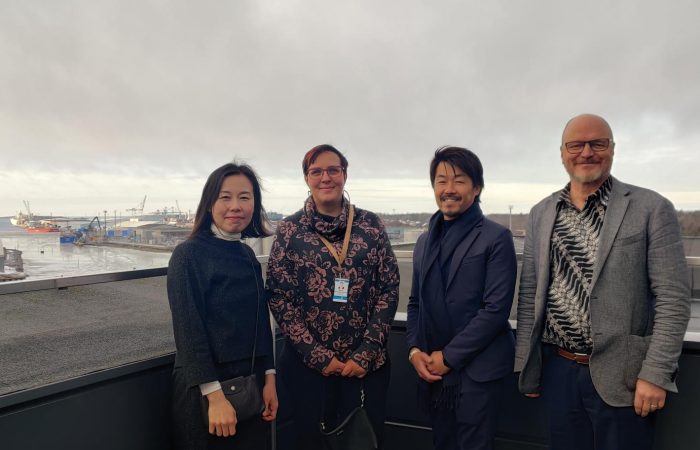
260	224
314	153
462	158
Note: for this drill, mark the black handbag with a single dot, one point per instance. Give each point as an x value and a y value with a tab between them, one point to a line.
244	395
242	392
354	432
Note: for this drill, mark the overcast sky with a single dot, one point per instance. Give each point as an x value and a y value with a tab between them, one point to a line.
103	102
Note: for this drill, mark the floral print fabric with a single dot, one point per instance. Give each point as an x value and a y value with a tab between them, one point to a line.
300	280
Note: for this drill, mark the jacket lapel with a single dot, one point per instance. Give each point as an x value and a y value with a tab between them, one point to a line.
615	212
542	252
461	251
429	260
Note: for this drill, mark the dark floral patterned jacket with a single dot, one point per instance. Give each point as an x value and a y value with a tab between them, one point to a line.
300	281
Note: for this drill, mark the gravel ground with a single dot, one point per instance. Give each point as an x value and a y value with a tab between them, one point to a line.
53	335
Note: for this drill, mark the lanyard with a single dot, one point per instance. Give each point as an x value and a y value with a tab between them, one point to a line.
339	258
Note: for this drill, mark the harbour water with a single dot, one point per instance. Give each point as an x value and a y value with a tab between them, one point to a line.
45	257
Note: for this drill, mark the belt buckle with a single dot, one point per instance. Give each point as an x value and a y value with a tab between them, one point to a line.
581	358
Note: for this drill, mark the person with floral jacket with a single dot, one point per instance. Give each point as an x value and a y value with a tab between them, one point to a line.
332	282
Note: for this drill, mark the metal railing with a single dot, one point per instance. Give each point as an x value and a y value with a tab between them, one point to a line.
404	256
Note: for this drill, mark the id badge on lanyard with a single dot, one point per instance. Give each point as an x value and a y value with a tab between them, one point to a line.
340	290
341	285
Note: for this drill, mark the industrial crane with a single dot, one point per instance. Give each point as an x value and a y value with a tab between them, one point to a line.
138	208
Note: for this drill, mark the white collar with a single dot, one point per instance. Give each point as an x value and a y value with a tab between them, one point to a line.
224	235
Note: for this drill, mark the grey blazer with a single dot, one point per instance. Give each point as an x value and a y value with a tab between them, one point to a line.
640	296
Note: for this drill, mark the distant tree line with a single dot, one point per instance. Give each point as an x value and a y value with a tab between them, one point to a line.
689	221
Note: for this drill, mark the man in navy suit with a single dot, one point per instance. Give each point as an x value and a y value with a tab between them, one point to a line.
461	344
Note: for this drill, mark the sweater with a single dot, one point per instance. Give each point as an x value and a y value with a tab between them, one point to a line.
214	287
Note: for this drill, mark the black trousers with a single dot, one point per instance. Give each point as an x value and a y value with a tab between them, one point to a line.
472	426
307	389
579	419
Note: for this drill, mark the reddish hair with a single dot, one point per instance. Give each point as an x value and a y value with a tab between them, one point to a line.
313	154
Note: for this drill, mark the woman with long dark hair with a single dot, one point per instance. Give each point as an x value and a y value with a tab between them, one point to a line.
332	282
220	316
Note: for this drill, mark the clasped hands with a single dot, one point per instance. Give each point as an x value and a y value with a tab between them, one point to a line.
430	367
348	368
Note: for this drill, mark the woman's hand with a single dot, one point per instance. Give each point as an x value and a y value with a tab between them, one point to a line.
269	394
222	416
352	369
334	367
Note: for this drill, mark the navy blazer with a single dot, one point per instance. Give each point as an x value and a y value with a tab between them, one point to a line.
479	296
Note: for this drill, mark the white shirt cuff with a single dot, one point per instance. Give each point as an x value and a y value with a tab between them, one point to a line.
208	388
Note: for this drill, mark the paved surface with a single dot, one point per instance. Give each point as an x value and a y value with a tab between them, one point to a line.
53	335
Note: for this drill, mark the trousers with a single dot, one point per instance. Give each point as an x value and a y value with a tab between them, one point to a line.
307	388
579	419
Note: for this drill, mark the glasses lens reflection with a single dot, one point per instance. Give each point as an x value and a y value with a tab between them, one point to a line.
332	171
597	145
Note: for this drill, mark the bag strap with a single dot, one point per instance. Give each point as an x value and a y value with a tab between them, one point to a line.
257	310
323	401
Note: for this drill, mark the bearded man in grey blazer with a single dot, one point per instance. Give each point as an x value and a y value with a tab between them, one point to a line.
604	301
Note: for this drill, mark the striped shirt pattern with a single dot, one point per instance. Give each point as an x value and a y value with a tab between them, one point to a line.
573	252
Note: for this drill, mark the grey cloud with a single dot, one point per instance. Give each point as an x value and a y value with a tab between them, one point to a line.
161	87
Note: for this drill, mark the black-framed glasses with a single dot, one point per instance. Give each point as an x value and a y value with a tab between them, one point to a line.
317	172
597	145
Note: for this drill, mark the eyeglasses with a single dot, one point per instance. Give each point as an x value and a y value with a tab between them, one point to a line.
597	145
317	172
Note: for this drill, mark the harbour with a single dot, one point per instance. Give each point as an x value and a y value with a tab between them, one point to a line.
44	256
63	246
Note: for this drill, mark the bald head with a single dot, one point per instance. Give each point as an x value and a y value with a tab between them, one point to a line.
587	150
588	121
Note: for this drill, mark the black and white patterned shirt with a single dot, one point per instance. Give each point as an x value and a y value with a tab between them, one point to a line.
573	252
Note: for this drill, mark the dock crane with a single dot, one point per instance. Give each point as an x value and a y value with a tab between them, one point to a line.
95	219
179	211
138	208
29	211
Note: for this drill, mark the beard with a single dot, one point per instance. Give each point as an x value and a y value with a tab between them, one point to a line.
449	212
599	175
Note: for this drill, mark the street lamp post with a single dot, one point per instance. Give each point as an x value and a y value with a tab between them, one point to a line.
510	218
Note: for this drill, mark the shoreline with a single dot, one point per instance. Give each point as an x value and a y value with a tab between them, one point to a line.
134	246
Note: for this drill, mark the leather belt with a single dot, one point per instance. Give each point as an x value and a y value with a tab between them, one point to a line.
581	358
